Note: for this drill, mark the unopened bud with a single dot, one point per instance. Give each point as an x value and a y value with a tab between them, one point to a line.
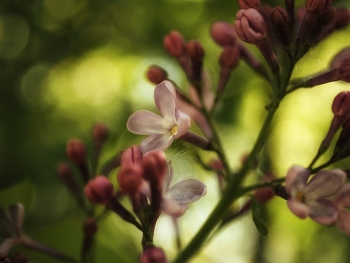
223	33
175	44
230	56
154	166
280	19
90	227
246	4
344	70
100	133
341	18
20	258
64	172
156	74
99	190
132	156
341	104
263	195
76	151
130	179
317	6
153	255
250	26
195	50
340	57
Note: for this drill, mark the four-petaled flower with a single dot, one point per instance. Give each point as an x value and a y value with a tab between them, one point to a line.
162	130
342	202
308	198
175	199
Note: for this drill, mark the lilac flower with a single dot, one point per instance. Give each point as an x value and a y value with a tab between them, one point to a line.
308	198
175	199
162	130
342	202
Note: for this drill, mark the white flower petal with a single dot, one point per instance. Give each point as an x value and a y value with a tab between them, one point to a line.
296	179
343	221
168	178
173	208
183	122
148	123
156	142
325	183
323	212
165	99
343	197
299	209
187	191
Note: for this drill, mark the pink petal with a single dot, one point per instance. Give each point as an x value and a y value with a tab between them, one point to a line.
164	97
156	142
323	212
184	123
343	197
325	183
147	123
299	209
173	208
343	221
187	191
296	179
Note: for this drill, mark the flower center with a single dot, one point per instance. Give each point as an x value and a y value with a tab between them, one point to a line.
300	196
174	130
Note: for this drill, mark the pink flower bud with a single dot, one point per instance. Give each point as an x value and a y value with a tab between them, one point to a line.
250	26
100	133
153	255
175	44
195	50
230	56
132	156
344	70
156	74
76	151
340	57
341	104
99	190
154	166
246	4
317	6
130	179
263	195
223	33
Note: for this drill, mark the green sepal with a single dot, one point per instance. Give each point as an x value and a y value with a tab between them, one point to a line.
259	223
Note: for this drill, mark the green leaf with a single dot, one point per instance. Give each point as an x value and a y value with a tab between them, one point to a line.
259	223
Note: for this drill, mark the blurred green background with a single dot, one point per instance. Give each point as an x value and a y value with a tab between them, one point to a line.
67	64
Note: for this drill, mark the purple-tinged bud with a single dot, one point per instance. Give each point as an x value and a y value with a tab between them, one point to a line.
154	166
130	179
246	4
100	133
344	70
229	57
195	50
223	33
76	151
250	26
174	44
317	6
340	57
327	16
99	190
153	255
341	18
19	258
341	104
90	227
156	74
196	54
280	19
132	156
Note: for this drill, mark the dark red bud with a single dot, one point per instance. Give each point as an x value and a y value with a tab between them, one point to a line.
90	227
340	57
100	133
223	33
246	4
130	179
153	255
64	172
175	44
156	74
341	104
195	50
76	151
230	56
317	6
341	18
279	17
154	166
132	156
99	190
344	70
327	16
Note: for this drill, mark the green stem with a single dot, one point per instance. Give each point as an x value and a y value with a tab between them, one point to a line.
230	194
261	185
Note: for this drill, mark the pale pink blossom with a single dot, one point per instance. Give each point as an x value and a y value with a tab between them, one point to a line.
162	130
308	198
342	202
